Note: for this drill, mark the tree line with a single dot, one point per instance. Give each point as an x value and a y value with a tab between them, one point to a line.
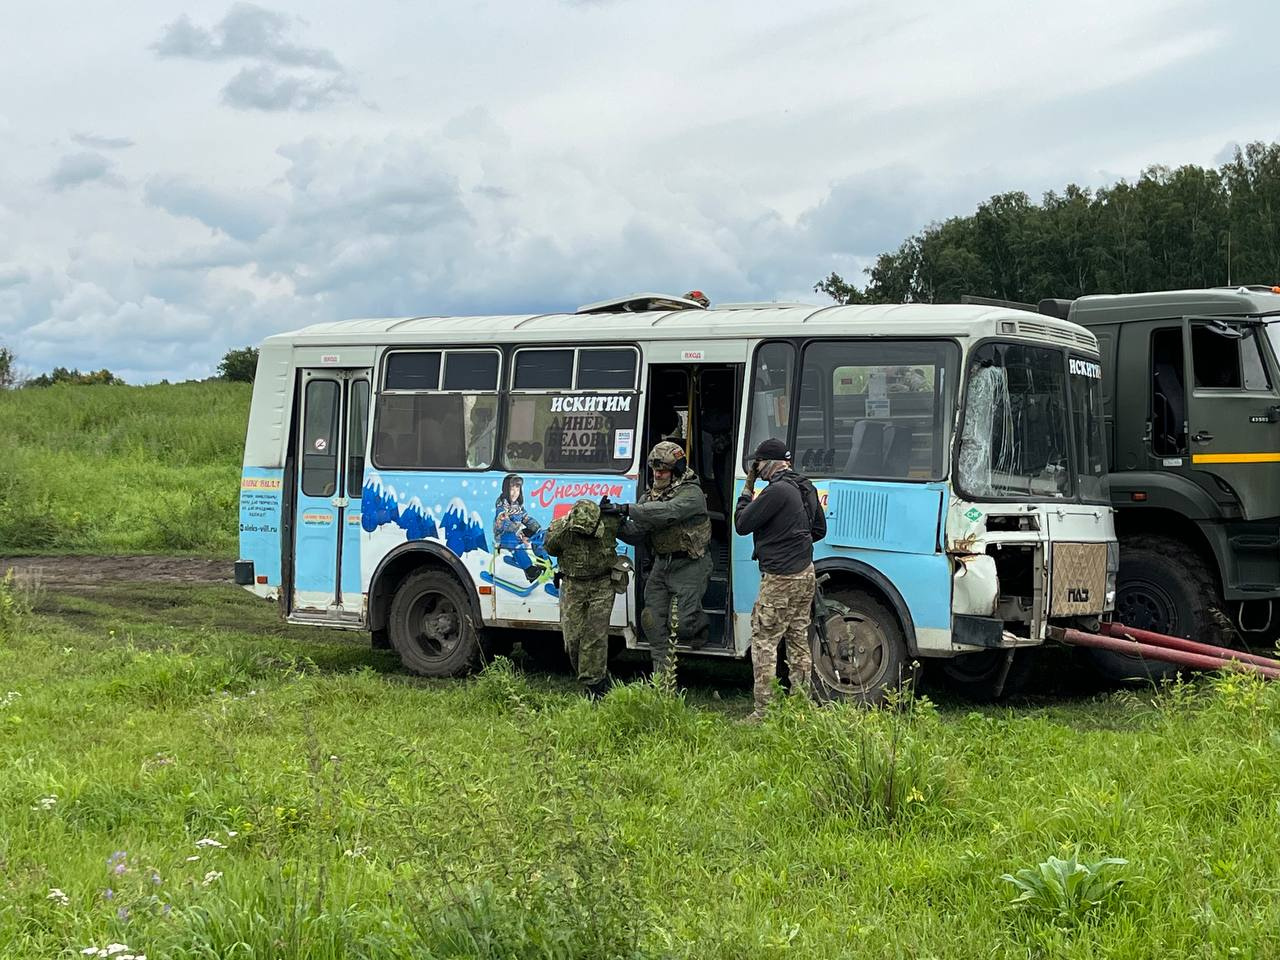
1172	228
235	366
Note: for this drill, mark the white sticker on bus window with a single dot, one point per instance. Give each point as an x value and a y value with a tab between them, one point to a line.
321	443
622	441
877	409
1085	368
329	359
1172	461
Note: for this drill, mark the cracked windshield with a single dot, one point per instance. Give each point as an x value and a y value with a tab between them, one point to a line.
1015	441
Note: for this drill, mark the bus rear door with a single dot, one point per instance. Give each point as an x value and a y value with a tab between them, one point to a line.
333	419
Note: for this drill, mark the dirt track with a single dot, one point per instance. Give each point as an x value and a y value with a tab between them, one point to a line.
92	571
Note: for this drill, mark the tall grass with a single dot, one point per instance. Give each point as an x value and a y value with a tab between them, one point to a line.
121	469
341	809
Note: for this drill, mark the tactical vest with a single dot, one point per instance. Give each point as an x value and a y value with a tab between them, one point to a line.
587	549
689	536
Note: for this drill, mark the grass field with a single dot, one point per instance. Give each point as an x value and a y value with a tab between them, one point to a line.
338	808
122	469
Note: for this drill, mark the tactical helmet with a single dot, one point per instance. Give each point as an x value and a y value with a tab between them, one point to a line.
584	517
668	455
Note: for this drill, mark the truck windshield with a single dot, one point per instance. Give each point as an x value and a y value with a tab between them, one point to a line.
1273	334
1015	442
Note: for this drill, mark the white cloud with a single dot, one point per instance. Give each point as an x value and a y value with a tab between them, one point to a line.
312	79
95	141
76	169
247	30
539	156
266	88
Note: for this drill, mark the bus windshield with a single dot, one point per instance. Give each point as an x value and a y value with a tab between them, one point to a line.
1087	418
1015	442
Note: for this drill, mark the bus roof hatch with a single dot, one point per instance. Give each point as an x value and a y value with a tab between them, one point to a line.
641	303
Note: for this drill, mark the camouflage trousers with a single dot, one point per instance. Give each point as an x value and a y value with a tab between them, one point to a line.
782	614
585	605
673	607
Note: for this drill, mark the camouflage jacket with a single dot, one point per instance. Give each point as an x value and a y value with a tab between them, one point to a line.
583	541
674	519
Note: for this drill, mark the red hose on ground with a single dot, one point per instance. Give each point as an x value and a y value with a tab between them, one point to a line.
1191	646
1151	652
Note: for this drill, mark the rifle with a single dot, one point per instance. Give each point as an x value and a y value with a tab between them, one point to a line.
826	615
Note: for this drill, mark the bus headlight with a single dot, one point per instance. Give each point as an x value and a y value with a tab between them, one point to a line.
1113	567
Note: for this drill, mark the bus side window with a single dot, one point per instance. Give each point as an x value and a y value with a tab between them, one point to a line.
874	409
771	376
437	410
572	410
320	439
357	435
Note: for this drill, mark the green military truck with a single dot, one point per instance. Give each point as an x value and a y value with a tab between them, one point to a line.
1192	410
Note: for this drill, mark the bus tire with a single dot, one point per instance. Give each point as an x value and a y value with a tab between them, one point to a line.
865	655
432	626
1165	586
974	676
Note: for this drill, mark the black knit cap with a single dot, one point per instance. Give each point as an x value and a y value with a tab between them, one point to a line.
772	449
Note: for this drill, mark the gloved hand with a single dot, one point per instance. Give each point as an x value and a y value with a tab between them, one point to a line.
751	476
610	509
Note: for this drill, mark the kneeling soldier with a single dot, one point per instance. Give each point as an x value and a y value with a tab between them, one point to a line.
589	576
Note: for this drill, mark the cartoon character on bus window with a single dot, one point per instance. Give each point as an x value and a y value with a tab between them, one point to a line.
517	537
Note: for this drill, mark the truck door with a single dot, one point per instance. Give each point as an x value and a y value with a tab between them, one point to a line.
332	420
1233	409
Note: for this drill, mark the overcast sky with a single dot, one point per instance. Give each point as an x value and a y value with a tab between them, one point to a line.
178	179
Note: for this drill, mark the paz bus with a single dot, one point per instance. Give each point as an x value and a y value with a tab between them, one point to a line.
399	474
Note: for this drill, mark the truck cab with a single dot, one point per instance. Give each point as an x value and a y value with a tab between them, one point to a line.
1192	415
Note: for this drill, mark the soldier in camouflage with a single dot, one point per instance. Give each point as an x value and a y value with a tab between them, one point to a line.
671	517
584	542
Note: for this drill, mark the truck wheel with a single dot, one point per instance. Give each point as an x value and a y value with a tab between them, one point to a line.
432	626
1163	586
864	657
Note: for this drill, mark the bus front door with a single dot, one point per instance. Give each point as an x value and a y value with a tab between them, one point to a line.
333	428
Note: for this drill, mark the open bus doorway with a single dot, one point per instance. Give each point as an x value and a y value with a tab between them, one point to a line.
697	407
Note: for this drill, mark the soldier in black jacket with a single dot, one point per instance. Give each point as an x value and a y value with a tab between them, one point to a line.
785	521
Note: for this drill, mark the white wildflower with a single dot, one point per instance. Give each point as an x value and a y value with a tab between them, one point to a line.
114	948
213	876
9	698
210	842
232	833
45	803
192	859
58	897
355	852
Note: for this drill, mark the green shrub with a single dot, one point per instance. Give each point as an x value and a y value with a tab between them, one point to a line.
1066	891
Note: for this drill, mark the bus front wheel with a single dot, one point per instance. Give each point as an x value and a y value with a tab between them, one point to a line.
860	652
432	627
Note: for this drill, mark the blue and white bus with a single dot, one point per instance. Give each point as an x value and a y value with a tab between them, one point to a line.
399	474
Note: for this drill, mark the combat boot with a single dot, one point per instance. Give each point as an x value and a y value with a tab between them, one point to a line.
595	691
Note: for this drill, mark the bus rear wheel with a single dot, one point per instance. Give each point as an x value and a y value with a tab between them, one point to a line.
860	653
432	627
